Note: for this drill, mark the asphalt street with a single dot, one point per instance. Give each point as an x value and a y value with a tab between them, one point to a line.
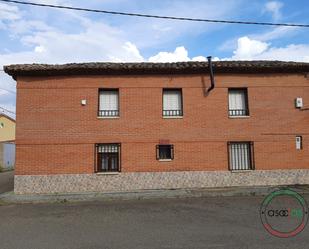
212	222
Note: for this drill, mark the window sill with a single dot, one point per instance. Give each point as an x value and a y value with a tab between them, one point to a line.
232	117
173	117
242	171
107	117
165	160
107	173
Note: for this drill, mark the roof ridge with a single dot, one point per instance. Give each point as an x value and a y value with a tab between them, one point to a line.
240	66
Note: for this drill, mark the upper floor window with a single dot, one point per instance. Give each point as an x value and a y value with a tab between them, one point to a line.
238	102
172	103
108	103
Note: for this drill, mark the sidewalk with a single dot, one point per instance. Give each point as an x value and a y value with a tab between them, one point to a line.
11	198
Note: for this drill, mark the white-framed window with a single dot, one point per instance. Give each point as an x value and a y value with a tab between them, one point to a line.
241	156
238	102
172	102
108	103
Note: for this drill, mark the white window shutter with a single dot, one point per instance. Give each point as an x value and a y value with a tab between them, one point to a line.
172	100
109	100
237	100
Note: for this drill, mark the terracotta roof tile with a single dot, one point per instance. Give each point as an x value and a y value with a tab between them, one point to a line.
105	68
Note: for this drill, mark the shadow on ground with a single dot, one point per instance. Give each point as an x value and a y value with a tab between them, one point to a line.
6	181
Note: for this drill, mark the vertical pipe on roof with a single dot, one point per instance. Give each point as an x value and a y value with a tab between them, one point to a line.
211	74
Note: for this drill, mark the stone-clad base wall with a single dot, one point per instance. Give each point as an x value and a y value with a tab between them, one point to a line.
70	183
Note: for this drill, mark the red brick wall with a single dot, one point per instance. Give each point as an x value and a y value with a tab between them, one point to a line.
56	135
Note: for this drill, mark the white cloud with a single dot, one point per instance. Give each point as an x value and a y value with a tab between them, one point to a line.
133	51
269	35
39	49
199	58
291	52
274	7
9	12
89	45
249	49
21	27
180	54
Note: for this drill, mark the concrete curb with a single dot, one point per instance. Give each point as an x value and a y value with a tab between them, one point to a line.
12	198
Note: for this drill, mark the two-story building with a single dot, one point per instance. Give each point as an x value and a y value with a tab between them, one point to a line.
134	126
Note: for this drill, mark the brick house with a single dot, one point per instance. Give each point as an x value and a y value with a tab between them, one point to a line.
134	126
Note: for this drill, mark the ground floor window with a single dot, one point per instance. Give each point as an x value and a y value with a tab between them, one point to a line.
108	157
241	155
165	152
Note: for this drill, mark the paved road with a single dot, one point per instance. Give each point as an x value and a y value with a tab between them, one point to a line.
225	222
6	181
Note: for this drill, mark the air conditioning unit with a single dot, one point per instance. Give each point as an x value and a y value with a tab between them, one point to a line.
299	102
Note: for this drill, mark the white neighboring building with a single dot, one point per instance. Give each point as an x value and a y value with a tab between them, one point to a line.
7	155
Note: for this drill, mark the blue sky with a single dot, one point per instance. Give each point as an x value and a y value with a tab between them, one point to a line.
41	35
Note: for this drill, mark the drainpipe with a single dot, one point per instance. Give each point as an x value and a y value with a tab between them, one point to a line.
211	74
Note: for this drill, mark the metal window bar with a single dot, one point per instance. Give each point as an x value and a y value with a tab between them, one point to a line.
107	158
108	113
241	156
239	112
172	113
161	155
108	148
